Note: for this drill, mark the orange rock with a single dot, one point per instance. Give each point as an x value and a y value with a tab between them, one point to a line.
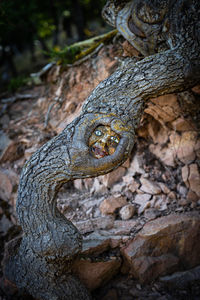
173	236
184	145
149	186
109	205
113	177
194	179
181	124
94	274
5	186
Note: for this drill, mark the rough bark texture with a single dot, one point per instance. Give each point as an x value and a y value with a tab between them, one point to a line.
41	264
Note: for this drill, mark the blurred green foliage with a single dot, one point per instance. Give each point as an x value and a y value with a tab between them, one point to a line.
17	82
31	29
23	21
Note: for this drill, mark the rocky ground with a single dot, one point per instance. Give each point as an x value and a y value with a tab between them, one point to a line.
141	222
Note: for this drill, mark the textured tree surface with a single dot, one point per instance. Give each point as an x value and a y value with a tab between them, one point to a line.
168	35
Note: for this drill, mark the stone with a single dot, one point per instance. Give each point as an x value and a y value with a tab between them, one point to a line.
149	186
111	294
196	89
12	151
5	225
95	274
5	186
185	174
183	202
143	201
181	124
184	145
106	222
182	190
151	213
133	186
127	211
136	166
117	188
194	179
165	154
160	202
78	184
125	226
172	195
153	267
167	100
98	187
173	235
4	143
110	204
95	243
164	188
182	280
113	177
29	152
192	196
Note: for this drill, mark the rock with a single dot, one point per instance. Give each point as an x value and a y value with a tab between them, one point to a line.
4	143
165	154
133	187
95	243
194	179
98	187
161	115
124	227
184	145
127	211
174	235
183	202
165	110
109	205
78	184
5	186
136	166
182	280
158	133
172	195
167	100
152	267
182	190
143	201
164	188
192	196
181	146
93	224
95	274
181	124
160	202
196	89
185	174
111	294
149	186
113	177
5	225
151	213
117	188
29	152
12	151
